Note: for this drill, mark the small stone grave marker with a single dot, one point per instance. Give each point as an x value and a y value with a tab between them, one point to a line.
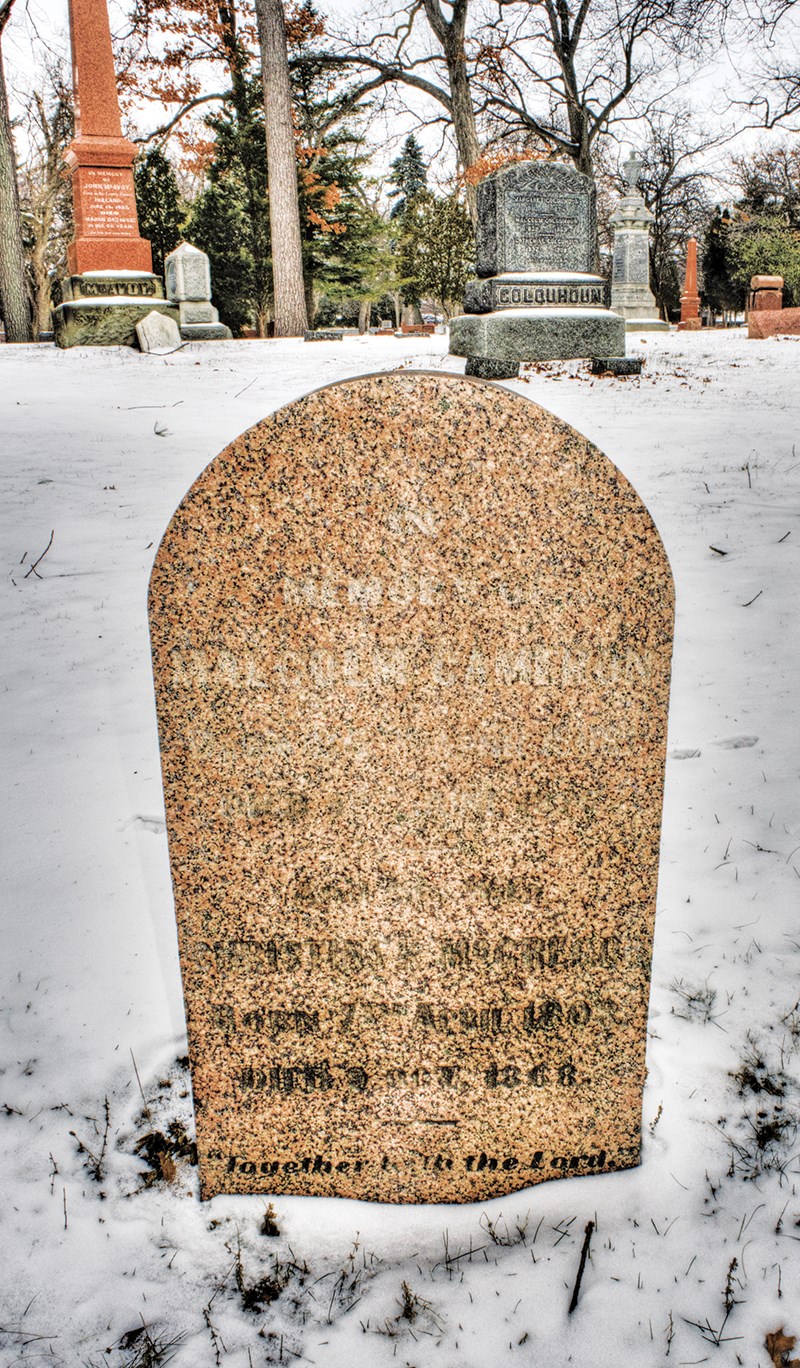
411	641
156	332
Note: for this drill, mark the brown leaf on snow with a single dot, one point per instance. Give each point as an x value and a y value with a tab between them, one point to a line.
169	1173
779	1344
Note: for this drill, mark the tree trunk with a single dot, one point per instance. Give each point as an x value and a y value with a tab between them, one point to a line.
364	315
42	307
464	127
451	36
14	296
284	213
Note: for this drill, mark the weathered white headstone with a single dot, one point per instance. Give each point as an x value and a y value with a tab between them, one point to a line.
156	332
188	277
187	273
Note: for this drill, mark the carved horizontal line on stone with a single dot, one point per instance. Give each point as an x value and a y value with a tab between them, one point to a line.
548	277
117	275
548	311
112	301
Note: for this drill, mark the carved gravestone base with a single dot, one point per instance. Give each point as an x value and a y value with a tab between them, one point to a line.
411	641
102	308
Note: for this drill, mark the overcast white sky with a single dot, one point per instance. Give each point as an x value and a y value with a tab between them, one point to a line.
37	25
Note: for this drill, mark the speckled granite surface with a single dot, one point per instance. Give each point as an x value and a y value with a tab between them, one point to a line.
411	645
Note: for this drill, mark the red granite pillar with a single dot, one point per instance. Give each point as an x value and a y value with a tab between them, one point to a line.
766	292
690	299
100	159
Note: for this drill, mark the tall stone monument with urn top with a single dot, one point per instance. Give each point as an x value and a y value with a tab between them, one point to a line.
537	296
111	284
631	296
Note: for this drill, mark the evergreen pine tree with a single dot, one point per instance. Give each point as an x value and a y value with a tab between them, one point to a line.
720	292
409	176
158	204
239	173
340	234
437	251
219	226
765	244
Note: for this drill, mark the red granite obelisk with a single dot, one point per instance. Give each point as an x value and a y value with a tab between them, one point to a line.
106	226
690	299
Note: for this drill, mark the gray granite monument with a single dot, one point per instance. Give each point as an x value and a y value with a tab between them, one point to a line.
187	274
538	297
631	296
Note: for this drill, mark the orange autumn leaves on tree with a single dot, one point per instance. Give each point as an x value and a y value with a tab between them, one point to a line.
320	198
193	54
179	43
493	161
303	24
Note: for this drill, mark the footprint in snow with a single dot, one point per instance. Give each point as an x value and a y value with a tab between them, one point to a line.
724	743
153	824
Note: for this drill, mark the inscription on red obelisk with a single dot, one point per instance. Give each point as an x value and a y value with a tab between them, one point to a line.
100	158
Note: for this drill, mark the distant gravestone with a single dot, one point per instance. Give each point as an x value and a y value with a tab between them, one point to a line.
535	216
631	296
538	297
156	332
187	274
412	694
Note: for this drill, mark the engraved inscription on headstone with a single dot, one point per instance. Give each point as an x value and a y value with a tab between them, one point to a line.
195	276
99	286
639	257
535	216
411	641
107	203
550	233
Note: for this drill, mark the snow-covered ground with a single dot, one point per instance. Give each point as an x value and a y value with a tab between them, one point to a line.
109	1257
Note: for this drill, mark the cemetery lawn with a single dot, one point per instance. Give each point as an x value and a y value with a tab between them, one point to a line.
109	1257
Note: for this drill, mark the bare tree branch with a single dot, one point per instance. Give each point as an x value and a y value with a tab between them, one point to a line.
164	129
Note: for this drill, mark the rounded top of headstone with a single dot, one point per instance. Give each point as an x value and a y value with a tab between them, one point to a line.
766	282
535	173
